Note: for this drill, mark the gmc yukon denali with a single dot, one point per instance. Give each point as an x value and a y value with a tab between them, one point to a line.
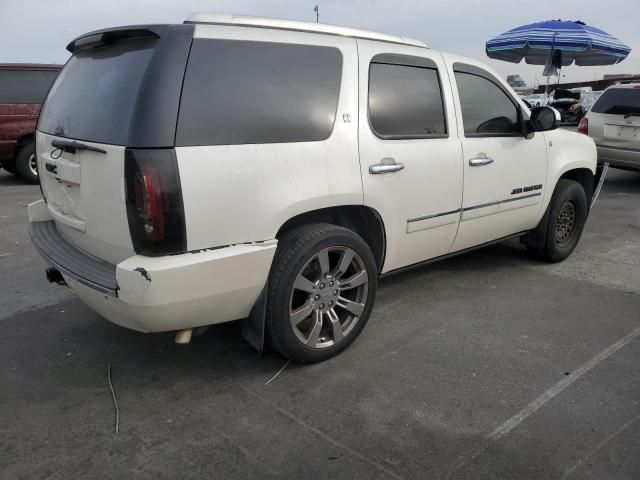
271	171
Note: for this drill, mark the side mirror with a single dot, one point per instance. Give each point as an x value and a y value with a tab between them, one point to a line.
544	119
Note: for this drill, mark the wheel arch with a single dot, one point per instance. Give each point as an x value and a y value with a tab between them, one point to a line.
584	177
22	140
363	220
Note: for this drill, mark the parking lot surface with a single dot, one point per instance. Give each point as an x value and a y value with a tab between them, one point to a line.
489	365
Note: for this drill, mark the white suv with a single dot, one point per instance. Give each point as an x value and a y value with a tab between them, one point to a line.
614	124
270	171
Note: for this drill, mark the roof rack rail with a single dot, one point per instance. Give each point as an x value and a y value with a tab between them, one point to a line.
279	24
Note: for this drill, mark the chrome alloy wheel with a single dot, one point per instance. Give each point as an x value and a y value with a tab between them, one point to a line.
328	297
566	222
33	166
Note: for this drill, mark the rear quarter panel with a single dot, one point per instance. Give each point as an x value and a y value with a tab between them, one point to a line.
243	193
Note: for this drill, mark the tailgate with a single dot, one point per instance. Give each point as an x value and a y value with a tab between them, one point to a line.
119	90
620	133
84	191
617	118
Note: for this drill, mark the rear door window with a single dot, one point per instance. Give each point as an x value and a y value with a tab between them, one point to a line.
246	92
405	102
95	95
25	86
618	101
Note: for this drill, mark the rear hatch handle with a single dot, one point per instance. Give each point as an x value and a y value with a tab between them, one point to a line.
71	146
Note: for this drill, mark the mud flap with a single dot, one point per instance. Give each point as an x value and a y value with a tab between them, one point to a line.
252	328
536	238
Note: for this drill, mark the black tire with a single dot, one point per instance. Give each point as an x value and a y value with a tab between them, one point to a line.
23	161
568	212
298	253
10	167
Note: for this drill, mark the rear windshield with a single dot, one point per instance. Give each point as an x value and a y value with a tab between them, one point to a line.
618	101
25	86
94	97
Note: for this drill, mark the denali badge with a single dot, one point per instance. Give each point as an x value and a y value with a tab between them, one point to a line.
530	188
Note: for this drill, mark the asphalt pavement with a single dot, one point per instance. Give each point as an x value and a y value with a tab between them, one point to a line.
490	365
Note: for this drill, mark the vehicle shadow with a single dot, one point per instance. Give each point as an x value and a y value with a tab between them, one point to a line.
60	355
9	179
73	345
622	181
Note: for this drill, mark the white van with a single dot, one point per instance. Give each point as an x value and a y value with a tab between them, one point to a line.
270	171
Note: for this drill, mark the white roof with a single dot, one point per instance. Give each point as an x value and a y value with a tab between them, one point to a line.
263	22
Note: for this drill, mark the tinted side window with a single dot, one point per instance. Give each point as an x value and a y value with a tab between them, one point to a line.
618	101
240	92
405	102
25	86
486	109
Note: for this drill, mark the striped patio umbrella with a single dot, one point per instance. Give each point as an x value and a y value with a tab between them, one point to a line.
559	41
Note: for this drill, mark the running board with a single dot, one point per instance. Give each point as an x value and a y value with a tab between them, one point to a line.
449	255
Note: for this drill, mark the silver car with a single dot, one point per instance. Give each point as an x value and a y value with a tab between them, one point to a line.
614	124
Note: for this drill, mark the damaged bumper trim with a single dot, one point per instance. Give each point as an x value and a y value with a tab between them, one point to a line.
72	262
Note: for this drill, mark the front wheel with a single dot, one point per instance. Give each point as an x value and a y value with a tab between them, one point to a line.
568	212
322	288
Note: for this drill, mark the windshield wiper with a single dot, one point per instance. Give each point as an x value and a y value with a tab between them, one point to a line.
71	146
633	114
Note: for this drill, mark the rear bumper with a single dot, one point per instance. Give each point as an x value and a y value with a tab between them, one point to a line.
619	157
155	294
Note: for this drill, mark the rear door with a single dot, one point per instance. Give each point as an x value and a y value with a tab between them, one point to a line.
120	89
614	120
410	154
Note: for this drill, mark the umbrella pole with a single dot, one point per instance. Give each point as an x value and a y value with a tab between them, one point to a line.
546	87
559	74
550	62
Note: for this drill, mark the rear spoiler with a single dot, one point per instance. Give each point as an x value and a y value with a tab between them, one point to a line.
109	36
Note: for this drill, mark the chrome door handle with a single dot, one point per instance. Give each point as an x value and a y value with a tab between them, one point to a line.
480	160
387	165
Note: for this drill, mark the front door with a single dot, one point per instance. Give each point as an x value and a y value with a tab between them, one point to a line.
410	156
504	172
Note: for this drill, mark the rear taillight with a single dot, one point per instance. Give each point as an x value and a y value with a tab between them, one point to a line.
154	202
583	126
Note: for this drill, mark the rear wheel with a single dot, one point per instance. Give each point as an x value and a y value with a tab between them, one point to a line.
26	163
568	212
321	291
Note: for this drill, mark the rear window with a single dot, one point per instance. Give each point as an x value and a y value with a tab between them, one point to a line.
94	96
245	92
618	101
405	102
25	86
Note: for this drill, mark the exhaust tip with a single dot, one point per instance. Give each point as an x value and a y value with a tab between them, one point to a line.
183	337
54	276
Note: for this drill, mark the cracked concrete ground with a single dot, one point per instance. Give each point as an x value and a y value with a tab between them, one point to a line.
545	355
